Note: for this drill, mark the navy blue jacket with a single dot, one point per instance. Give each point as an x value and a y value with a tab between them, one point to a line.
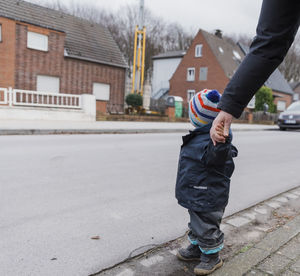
204	171
278	24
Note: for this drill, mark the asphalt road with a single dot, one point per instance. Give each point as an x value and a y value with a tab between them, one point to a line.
57	192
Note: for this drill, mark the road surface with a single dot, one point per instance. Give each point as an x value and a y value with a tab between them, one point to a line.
57	192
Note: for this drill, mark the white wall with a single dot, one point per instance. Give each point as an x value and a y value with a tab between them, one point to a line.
163	70
87	113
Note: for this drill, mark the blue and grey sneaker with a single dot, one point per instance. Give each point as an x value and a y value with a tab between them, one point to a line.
191	253
208	264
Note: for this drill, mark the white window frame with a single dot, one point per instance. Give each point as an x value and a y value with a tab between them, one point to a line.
37	41
190	94
198	50
296	97
200	75
0	32
281	105
101	91
190	77
54	84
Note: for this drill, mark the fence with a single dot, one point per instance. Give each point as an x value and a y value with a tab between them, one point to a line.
260	116
17	97
30	105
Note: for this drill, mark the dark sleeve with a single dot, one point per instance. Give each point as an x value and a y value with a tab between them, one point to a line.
217	155
276	30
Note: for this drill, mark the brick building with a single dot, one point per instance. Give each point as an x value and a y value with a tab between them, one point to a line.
210	62
296	88
47	50
282	93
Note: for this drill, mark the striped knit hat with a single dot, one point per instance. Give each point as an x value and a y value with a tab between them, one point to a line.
203	107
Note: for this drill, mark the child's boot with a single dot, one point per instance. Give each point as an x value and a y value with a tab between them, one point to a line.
191	253
208	264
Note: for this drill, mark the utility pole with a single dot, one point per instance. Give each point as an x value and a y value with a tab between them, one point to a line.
139	53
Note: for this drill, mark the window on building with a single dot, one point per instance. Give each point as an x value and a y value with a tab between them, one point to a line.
37	41
198	50
203	73
190	94
101	91
296	97
0	32
47	84
281	105
190	74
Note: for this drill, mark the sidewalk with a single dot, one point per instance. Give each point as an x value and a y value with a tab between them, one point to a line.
13	127
262	240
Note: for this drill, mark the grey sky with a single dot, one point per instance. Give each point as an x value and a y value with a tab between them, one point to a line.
231	16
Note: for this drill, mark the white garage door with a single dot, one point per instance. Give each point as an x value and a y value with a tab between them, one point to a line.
47	84
101	91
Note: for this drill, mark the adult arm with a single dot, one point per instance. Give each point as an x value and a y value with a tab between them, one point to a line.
276	30
277	26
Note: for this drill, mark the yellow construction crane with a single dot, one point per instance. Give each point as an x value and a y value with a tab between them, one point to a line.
139	54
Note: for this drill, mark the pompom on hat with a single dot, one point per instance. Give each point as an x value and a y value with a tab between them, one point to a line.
203	107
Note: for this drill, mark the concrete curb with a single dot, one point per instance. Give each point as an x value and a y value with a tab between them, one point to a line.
243	262
256	243
100	131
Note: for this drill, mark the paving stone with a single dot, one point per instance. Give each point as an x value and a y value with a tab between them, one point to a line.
242	263
173	252
281	199
238	221
250	215
126	272
296	267
262	211
291	250
253	235
151	261
274	264
297	192
291	196
273	204
264	228
256	273
290	273
273	241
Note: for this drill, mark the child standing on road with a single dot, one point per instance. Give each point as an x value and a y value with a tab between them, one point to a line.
202	184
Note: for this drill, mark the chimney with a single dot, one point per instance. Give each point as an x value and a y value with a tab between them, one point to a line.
218	33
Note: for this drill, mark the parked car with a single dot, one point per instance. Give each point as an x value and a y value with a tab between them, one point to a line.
290	118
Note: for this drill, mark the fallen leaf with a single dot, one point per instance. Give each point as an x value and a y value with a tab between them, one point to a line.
95	238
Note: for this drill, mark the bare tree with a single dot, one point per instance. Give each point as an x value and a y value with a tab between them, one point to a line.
160	35
290	67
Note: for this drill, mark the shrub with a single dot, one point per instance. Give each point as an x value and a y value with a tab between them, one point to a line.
134	100
264	95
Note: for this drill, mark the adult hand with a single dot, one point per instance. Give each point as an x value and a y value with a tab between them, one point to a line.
223	119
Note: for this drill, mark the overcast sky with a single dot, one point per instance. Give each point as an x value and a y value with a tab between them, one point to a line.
231	16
